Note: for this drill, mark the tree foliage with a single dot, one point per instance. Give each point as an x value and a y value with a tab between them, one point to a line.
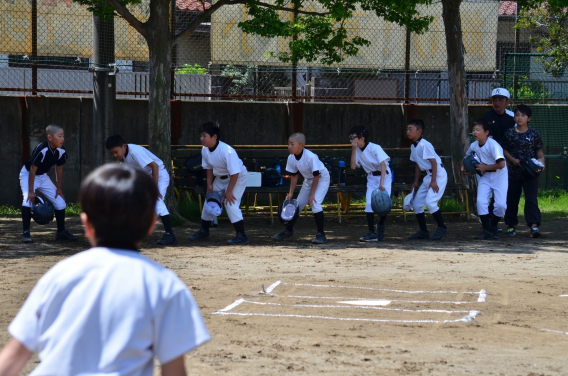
552	15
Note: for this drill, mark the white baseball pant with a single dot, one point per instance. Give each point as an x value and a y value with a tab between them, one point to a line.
233	210
426	196
373	183
163	184
321	191
496	184
43	184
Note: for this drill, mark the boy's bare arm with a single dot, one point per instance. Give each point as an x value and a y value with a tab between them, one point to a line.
433	183
59	179
229	196
312	196
31	181
293	182
509	157
209	181
175	367
540	156
155	171
353	157
416	176
383	174
13	358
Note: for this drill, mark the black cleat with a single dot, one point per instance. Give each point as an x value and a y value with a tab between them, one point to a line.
167	239
283	234
420	235
485	235
241	238
370	237
495	232
65	235
440	233
535	232
199	235
319	239
380	232
26	237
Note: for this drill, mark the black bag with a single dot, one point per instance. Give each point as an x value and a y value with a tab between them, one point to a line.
195	168
271	178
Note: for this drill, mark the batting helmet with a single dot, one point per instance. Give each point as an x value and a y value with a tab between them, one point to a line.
531	169
469	163
288	212
213	204
42	211
381	202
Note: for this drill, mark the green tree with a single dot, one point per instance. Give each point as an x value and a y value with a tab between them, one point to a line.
551	15
317	36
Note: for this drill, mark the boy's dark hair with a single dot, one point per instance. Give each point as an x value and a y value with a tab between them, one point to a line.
120	203
524	109
114	141
418	123
211	128
360	131
484	124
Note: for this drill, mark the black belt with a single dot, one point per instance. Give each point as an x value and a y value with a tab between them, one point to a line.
441	164
378	173
223	177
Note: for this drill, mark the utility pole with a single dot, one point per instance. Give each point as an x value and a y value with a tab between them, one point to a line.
104	86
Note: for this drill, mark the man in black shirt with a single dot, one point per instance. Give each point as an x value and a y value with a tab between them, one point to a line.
499	117
33	176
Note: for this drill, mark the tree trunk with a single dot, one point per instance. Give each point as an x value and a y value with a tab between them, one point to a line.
457	84
160	48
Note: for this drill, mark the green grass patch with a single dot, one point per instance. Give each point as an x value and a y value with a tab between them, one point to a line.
189	209
72	209
9	210
451	204
553	204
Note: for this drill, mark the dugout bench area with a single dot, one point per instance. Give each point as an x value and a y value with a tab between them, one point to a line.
339	201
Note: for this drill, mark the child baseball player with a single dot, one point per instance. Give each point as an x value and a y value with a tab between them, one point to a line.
226	175
33	176
521	144
493	182
108	310
433	185
373	159
140	157
315	186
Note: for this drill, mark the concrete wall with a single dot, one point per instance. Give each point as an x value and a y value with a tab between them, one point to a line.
242	123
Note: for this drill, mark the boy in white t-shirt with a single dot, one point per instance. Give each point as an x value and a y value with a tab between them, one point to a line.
433	185
226	175
108	310
373	159
494	181
140	157
315	186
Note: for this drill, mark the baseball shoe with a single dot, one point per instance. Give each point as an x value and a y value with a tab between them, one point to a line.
420	235
439	234
380	232
485	235
499	229
319	239
283	234
370	237
511	231
65	235
167	239
535	232
495	232
199	235
26	237
240	238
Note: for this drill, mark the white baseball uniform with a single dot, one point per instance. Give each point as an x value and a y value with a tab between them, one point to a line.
370	159
420	152
140	157
494	183
309	165
43	157
108	312
224	162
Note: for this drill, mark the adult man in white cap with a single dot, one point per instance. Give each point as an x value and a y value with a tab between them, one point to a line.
499	117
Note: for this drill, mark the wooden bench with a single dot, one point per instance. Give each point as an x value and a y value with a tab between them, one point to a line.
259	156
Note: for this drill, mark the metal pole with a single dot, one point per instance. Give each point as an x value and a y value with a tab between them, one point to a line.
34	47
295	63
104	85
407	68
174	48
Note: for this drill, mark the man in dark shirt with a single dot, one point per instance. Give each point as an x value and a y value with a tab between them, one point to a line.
499	117
33	176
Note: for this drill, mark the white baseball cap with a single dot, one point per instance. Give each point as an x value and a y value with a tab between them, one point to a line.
500	92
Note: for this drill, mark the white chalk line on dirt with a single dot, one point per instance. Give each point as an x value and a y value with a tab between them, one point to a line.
553	331
563	296
355	307
388	290
466	318
273	286
352	298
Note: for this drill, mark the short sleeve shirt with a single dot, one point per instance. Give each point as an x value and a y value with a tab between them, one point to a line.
44	157
522	146
306	165
489	153
140	157
499	123
108	311
371	157
223	160
421	151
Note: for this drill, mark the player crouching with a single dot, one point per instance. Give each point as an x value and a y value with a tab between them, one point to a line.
490	164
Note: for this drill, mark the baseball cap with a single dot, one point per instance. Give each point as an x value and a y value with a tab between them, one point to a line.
500	92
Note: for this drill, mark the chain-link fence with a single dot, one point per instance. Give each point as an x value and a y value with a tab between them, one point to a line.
47	46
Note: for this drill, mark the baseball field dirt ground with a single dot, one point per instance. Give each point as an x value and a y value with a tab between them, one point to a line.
398	307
